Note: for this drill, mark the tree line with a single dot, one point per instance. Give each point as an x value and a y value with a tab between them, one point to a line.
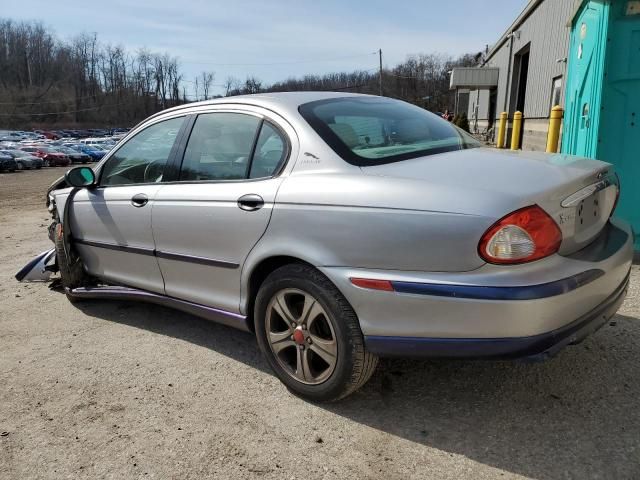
45	81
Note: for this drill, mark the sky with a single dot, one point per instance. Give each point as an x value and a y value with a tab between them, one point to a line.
276	39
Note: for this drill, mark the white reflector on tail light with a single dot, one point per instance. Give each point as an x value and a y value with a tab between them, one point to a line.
522	236
510	243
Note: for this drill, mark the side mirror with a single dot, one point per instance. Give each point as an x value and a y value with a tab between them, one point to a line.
80	177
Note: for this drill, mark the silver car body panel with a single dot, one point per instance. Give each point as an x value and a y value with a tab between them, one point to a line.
114	238
38	269
414	315
415	221
219	231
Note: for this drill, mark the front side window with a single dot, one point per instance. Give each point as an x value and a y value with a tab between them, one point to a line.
372	131
143	158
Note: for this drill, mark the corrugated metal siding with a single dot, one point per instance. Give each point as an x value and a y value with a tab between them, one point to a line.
501	59
473	77
546	29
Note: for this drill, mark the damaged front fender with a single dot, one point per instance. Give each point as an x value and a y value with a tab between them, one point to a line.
39	269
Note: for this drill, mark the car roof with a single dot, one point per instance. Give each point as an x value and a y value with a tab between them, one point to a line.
281	102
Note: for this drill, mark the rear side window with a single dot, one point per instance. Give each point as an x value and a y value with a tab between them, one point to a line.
374	130
219	147
270	152
232	146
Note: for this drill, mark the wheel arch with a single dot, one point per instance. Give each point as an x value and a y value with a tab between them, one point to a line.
256	275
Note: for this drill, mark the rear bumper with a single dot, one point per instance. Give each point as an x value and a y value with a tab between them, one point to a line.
494	311
538	347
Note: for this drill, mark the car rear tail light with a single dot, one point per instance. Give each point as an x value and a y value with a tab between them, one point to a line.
522	236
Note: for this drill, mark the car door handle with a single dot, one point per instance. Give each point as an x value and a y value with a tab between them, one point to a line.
139	200
250	202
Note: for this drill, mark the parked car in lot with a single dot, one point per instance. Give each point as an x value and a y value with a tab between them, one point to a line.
51	135
102	143
7	163
24	160
49	155
339	228
94	153
74	155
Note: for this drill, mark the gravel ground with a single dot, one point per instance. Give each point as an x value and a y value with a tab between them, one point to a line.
124	390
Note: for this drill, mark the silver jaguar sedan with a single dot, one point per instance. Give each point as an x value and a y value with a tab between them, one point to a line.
342	228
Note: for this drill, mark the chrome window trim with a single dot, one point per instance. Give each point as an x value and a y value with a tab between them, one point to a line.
264	118
273	117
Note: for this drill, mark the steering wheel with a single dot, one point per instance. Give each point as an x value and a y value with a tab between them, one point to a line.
153	171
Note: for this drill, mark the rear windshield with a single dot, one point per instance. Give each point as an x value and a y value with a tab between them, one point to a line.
376	130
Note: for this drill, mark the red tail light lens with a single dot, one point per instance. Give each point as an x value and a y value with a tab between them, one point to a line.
523	236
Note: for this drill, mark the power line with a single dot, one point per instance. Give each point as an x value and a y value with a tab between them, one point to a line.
292	62
59	113
44	102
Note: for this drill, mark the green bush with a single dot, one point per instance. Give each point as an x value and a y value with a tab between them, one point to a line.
462	121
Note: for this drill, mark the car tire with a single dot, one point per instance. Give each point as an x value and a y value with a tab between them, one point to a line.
72	272
330	326
20	166
45	163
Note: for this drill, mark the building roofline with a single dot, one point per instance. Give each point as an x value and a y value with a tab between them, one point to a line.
520	19
524	15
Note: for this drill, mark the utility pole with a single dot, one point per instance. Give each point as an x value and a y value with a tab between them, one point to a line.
380	75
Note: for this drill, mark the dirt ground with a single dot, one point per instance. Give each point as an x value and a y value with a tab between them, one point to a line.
123	390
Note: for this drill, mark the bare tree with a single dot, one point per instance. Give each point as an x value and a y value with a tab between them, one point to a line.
231	84
207	80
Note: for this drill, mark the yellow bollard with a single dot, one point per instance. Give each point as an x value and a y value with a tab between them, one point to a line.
502	129
515	133
554	129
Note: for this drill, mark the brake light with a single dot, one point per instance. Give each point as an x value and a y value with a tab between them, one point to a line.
523	236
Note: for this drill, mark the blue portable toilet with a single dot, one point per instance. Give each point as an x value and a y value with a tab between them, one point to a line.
602	118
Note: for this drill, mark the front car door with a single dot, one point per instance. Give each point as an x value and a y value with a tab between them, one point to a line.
111	224
206	224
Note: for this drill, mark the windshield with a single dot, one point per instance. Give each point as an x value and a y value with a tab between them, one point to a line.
375	130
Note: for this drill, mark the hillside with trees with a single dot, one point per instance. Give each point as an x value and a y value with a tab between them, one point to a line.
46	81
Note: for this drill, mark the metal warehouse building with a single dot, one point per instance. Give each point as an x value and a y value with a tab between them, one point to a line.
583	55
524	71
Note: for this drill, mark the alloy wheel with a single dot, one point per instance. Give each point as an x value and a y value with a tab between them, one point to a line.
301	336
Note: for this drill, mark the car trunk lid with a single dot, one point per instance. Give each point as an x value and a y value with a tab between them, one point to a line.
578	193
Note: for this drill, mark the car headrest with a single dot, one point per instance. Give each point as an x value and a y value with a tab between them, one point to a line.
346	133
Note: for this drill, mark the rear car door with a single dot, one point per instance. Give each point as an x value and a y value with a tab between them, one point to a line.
111	224
206	224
